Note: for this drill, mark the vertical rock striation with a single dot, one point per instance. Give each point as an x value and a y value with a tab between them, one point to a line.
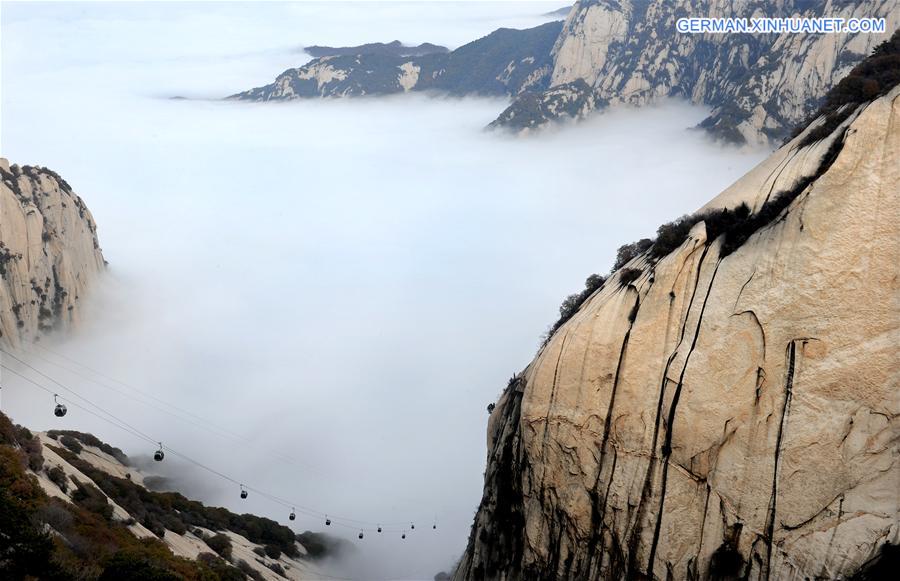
730	411
49	252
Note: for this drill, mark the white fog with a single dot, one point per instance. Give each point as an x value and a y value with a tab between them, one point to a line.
344	284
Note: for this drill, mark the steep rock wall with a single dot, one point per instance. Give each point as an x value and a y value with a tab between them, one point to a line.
720	415
49	252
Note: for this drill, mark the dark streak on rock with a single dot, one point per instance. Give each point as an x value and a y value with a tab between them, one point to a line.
692	568
822	574
634	537
598	508
785	410
667	443
562	349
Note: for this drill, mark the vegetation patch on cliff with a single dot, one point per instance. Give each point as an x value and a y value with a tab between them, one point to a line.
573	302
734	225
159	511
21	438
89	440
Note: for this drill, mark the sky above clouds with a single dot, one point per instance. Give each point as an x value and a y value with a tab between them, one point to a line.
343	285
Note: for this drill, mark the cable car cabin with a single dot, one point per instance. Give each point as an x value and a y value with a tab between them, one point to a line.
327	522
379	528
293	516
434	527
412	526
158	455
360	534
60	410
403	536
243	494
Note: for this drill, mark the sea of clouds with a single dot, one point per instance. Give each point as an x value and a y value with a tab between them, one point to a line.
341	287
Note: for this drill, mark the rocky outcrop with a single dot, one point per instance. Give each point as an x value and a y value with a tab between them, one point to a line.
76	507
726	404
574	100
49	252
89	464
759	85
506	62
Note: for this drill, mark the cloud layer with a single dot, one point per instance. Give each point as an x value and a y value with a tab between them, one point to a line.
344	285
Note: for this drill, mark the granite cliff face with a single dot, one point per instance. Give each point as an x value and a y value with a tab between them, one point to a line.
506	62
759	85
727	406
49	252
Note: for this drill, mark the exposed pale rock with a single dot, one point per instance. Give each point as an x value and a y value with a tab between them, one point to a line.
581	49
52	459
720	416
49	253
409	75
323	73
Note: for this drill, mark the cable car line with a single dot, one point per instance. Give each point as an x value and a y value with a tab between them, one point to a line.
70	390
242	439
209	426
312	512
121	424
136	432
338	521
122	383
84	409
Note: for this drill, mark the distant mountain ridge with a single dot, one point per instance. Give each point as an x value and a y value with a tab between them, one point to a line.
623	52
395	48
505	62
